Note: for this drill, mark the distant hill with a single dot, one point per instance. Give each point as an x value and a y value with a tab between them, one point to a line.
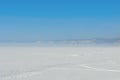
68	42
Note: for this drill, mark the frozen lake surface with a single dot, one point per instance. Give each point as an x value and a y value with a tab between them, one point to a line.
59	63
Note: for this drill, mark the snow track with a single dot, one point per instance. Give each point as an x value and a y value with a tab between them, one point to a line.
38	71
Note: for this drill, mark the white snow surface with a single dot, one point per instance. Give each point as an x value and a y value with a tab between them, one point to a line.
59	63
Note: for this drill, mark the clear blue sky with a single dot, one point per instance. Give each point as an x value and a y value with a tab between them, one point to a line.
59	19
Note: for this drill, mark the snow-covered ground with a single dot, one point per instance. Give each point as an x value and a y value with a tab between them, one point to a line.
59	63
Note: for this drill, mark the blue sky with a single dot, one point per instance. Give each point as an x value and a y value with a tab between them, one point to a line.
59	19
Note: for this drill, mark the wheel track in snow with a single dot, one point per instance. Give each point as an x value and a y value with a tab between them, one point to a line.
41	70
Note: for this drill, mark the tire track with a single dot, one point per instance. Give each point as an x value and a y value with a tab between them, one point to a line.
40	70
